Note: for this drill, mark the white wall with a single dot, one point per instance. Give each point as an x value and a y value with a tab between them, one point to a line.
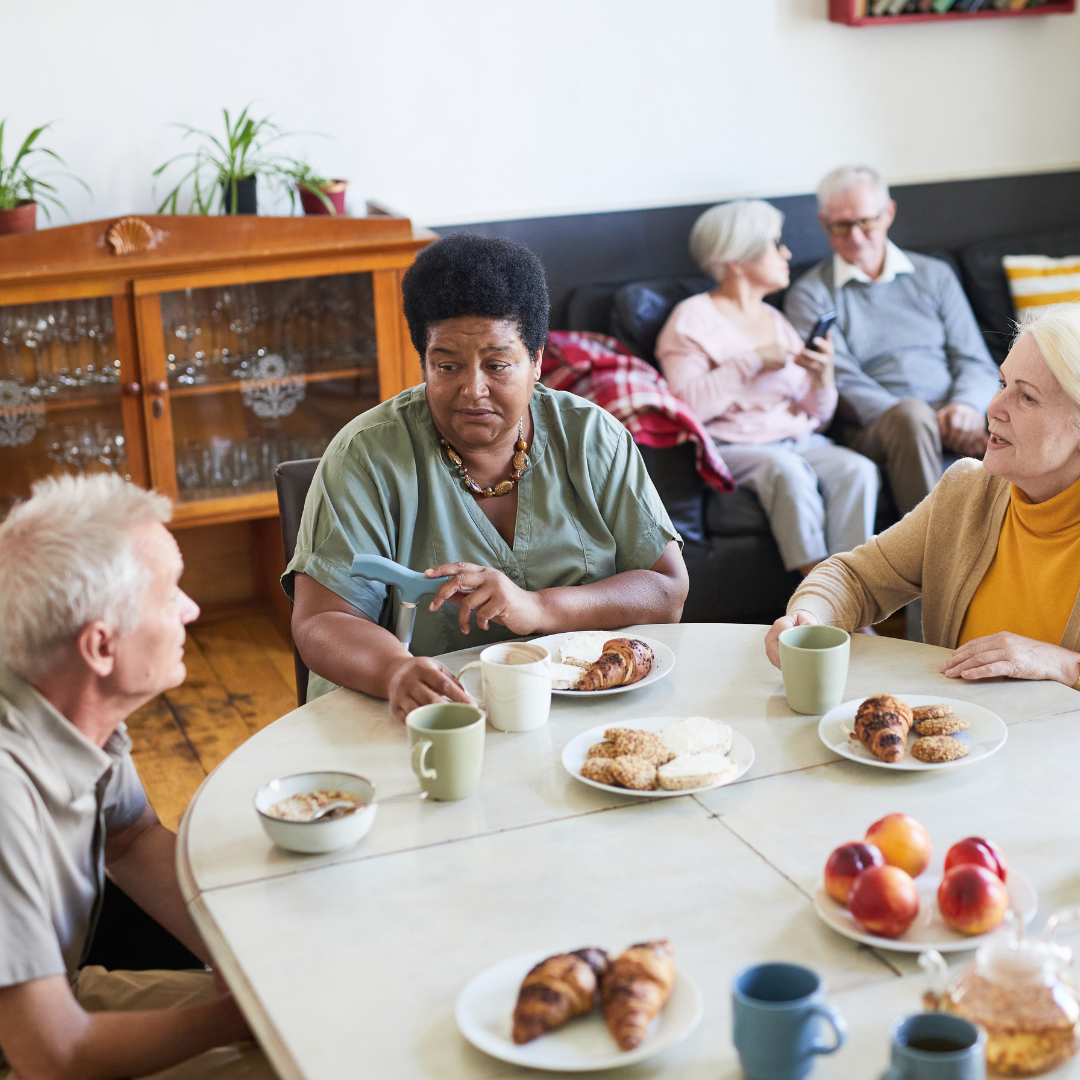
471	110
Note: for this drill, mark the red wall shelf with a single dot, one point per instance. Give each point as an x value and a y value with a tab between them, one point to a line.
847	12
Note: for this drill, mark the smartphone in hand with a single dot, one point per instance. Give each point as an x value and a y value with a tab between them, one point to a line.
821	327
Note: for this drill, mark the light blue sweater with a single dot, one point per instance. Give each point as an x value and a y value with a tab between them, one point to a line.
914	336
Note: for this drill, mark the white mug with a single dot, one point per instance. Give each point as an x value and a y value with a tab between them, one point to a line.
516	684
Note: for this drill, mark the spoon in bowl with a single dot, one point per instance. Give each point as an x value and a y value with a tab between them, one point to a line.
351	807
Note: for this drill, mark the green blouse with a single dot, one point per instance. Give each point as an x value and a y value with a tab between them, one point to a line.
586	510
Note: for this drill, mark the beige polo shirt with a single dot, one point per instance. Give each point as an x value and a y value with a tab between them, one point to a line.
60	795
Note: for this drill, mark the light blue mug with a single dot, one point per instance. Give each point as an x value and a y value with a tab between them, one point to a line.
936	1046
780	1014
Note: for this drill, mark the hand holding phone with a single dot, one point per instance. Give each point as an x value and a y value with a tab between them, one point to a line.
821	327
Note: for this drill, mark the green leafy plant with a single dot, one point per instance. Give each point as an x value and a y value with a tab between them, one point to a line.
20	183
219	163
304	176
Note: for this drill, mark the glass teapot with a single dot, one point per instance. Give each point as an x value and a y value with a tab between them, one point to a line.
1020	990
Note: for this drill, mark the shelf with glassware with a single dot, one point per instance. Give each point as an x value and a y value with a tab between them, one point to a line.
899	12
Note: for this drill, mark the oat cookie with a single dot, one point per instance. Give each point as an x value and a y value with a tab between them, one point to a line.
634	772
941	725
936	749
932	712
602	749
598	769
630	741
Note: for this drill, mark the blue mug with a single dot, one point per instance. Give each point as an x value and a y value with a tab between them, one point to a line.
780	1012
936	1046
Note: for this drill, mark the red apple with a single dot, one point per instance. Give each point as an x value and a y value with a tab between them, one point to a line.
903	842
971	899
844	866
885	900
976	851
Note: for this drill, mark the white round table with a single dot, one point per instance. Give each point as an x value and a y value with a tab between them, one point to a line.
350	963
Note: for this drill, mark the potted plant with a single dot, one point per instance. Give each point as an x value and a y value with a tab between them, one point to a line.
224	171
317	194
22	189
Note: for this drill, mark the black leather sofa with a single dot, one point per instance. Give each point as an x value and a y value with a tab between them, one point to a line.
736	574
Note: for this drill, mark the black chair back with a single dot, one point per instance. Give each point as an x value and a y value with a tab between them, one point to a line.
293	478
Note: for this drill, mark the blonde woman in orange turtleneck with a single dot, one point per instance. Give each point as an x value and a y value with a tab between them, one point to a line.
994	549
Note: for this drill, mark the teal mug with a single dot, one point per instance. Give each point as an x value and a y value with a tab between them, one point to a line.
936	1046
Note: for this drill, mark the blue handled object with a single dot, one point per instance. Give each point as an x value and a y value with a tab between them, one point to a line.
410	584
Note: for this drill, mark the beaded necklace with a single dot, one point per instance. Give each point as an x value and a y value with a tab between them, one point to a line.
518	464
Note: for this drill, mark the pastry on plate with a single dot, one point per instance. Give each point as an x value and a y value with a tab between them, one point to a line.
599	770
706	769
584	649
636	773
937	749
565	676
941	725
624	661
931	712
695	735
644	744
634	988
556	990
603	749
882	724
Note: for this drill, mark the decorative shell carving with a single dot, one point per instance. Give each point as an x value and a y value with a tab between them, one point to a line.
130	235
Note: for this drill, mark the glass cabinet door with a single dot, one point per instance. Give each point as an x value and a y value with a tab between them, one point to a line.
60	403
262	373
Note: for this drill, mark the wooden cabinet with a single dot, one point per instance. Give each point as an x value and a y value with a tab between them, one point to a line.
193	354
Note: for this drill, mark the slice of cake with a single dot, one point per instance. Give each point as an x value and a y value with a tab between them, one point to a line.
696	771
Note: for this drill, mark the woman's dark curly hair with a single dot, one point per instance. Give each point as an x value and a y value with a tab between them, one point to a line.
466	274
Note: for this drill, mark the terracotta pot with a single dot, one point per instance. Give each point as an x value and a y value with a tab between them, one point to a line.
21	218
245	196
334	191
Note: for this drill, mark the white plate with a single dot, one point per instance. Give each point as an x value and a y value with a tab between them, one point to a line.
485	1010
573	757
663	662
986	735
929	930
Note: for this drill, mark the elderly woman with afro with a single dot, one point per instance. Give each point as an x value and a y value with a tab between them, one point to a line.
536	502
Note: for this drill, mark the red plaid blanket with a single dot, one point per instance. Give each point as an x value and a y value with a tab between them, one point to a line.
603	370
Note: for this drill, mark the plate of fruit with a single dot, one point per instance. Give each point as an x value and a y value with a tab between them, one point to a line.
886	890
912	732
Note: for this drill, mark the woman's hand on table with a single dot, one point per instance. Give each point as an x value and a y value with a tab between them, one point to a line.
491	594
818	362
421	680
798	617
1013	656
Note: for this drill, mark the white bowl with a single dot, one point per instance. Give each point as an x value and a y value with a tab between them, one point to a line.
327	834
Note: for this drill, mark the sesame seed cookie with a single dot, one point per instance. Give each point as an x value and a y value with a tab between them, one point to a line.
941	725
644	744
932	712
633	772
598	769
937	749
603	749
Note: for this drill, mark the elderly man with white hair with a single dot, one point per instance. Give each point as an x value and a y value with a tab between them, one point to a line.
912	369
91	627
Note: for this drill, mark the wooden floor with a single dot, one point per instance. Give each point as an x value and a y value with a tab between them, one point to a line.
240	678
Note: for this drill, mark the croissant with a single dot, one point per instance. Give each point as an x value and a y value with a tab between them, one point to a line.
623	661
556	990
882	725
635	988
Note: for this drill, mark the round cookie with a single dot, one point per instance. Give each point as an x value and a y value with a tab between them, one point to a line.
598	769
941	725
633	772
932	712
634	743
602	750
936	749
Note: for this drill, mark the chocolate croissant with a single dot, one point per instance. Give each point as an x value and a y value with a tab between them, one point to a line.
882	725
623	661
556	990
635	988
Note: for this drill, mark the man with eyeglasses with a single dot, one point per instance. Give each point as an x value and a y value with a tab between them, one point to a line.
912	369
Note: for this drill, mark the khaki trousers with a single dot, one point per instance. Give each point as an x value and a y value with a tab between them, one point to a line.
906	442
99	990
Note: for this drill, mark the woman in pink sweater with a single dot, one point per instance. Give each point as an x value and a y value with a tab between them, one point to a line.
763	395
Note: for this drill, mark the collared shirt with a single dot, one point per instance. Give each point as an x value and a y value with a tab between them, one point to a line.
896	262
60	796
586	510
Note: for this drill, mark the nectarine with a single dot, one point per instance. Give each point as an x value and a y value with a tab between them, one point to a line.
885	900
976	851
844	866
971	899
903	842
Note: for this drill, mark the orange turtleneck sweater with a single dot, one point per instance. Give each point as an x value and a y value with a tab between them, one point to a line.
1031	585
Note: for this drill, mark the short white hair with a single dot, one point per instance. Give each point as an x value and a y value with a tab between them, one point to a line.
847	176
734	232
1056	331
67	558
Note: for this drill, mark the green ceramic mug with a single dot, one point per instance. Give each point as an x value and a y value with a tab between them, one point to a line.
447	748
814	663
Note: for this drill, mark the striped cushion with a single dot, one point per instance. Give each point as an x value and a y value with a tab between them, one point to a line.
1037	281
